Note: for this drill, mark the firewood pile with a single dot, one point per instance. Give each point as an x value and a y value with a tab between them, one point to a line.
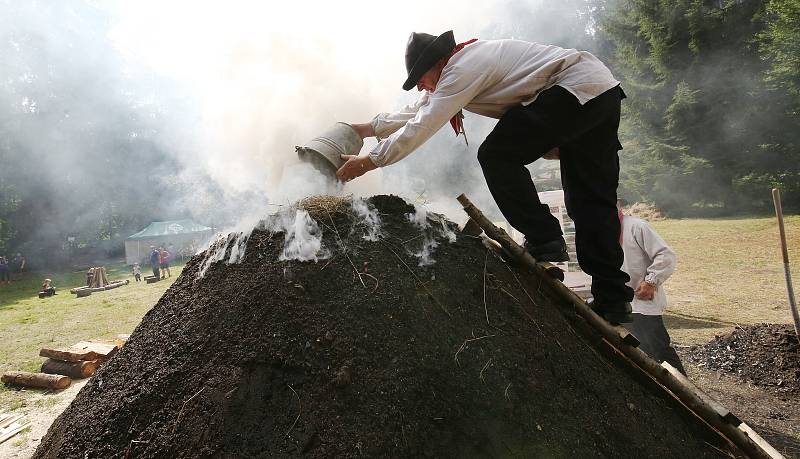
81	360
96	281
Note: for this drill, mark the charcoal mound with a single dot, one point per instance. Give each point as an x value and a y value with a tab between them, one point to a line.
768	355
283	358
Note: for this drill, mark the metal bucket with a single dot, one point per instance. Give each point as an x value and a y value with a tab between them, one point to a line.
323	152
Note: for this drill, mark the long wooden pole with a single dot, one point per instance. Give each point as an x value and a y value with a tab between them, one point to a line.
776	198
614	338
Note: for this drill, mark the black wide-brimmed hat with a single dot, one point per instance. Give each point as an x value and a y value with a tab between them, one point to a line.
423	51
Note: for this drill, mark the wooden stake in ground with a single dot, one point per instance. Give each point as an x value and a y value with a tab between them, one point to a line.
776	198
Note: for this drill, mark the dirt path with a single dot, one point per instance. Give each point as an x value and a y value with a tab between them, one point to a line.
40	409
774	417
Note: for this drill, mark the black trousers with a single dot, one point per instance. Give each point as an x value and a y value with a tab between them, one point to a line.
654	339
587	139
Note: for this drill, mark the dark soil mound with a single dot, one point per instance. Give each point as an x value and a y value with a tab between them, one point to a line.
768	355
269	358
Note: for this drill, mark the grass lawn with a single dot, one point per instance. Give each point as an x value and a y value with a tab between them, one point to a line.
28	323
730	272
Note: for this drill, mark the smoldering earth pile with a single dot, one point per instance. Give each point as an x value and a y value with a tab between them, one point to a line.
364	353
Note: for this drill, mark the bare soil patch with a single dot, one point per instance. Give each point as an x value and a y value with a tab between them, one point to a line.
766	355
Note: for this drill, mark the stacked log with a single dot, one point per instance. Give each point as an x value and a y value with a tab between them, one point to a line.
78	361
40	380
96	281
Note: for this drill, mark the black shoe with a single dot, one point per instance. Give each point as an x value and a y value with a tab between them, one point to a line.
615	313
554	251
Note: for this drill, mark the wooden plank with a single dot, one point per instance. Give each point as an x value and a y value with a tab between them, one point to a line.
17	428
104	350
75	370
723	412
8	419
773	453
41	380
69	355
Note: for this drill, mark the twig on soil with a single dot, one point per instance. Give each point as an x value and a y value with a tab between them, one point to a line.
344	249
485	309
467	341
484	368
413	238
373	278
180	413
529	297
299	410
329	262
509	294
505	392
418	280
130	445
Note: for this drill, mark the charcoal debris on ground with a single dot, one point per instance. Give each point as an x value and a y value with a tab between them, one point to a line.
372	351
768	355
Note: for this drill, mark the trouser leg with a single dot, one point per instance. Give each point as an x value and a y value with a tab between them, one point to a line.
654	339
512	145
590	176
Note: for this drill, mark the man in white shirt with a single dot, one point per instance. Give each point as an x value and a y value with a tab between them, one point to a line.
649	261
546	99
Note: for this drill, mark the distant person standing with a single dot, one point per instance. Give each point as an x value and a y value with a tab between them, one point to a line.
164	260
18	263
649	261
155	262
137	272
5	276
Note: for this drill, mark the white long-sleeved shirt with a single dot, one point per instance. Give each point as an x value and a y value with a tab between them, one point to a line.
488	77
647	257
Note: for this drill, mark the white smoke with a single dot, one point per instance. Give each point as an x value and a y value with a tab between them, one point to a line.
369	219
303	236
420	216
433	228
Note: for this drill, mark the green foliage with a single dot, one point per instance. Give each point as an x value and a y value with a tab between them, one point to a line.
711	133
780	43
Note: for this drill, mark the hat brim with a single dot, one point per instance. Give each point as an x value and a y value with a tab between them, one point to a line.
438	49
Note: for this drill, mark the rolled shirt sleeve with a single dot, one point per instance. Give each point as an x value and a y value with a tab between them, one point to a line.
663	257
454	91
386	124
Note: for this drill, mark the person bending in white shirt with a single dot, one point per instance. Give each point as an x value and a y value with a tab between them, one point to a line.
649	261
547	99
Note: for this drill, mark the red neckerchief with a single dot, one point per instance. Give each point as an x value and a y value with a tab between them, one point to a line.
457	121
620	216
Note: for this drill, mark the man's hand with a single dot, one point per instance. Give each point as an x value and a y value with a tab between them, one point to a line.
645	291
356	166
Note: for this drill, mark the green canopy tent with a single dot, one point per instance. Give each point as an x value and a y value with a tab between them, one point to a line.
180	237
